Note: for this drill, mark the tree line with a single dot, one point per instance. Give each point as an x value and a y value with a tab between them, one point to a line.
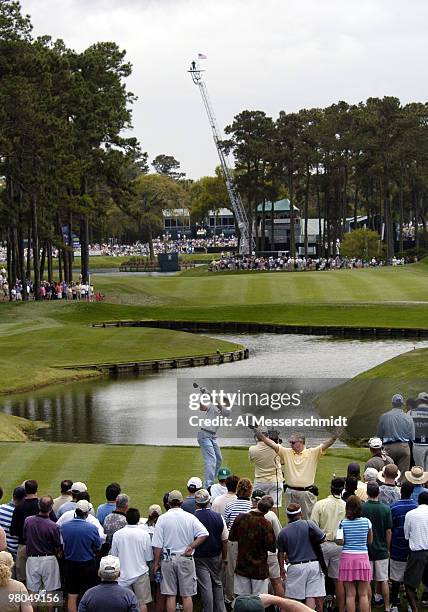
63	158
67	168
337	162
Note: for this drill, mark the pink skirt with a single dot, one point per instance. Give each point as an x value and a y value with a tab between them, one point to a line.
355	567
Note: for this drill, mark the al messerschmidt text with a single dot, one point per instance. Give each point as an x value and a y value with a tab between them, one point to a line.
248	420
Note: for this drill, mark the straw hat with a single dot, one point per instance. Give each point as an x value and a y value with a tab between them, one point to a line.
417	475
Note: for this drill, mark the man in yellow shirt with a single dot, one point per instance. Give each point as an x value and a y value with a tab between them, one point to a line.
327	514
300	465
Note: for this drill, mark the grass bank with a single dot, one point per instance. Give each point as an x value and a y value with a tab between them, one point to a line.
145	472
402	284
364	398
36	339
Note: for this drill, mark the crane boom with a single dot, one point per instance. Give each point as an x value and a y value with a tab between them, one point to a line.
246	241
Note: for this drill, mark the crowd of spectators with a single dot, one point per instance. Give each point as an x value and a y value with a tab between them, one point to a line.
299	263
76	290
161	244
368	537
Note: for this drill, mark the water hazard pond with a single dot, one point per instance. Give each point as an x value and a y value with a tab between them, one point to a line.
132	410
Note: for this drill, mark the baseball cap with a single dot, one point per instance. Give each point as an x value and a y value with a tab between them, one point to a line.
248	603
202	496
257	494
223	473
194	483
175	496
109	565
19	492
375	443
423	396
155	509
353	468
370	473
84	505
79	487
397	399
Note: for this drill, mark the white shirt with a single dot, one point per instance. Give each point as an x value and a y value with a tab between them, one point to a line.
220	503
416	528
69	516
217	490
133	546
176	529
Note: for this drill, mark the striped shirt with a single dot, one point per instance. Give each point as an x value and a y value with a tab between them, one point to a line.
416	528
239	506
355	534
6	512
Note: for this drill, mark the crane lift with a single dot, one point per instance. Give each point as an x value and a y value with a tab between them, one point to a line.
246	243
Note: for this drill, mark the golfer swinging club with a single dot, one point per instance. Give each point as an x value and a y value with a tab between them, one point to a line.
207	436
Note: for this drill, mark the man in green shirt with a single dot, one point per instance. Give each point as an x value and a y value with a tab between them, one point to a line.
381	519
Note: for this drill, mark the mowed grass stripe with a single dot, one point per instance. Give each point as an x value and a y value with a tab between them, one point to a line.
142	468
19	462
71	467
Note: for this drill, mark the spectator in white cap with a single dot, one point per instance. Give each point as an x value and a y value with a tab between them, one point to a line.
193	484
69	516
76	488
378	458
370	475
397	431
420	420
81	544
109	596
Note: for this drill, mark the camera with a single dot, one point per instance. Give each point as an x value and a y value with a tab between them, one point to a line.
273	434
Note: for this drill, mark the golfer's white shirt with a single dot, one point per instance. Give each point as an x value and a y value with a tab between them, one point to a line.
176	529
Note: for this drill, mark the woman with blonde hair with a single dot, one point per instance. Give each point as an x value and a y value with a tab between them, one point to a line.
13	594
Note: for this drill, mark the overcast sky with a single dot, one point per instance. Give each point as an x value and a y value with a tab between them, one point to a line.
266	55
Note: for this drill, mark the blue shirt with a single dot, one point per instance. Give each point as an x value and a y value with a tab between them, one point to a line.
215	525
396	426
81	540
416	491
355	534
399	550
104	509
109	597
189	504
70	505
295	541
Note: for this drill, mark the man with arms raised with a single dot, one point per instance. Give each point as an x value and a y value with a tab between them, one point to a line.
300	464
